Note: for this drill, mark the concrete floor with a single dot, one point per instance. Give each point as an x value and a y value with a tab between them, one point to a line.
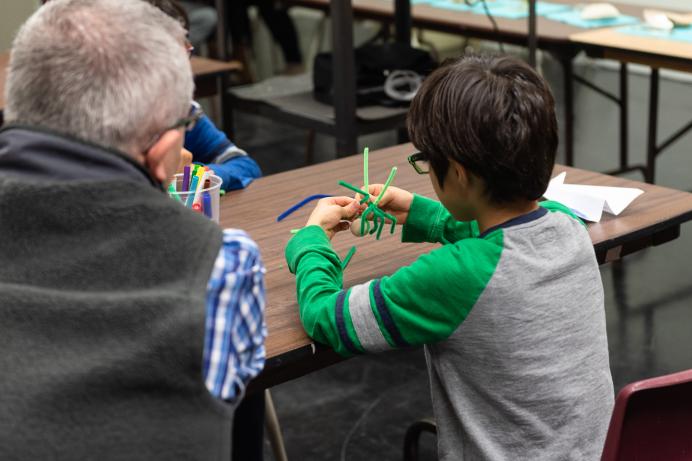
359	409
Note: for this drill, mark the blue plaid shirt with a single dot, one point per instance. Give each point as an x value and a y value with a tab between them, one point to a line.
235	329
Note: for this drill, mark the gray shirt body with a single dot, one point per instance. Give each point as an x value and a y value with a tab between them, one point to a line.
526	375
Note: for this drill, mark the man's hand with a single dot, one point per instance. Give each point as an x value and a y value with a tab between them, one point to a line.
333	214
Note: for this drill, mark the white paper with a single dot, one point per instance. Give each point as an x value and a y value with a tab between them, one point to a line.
658	20
589	202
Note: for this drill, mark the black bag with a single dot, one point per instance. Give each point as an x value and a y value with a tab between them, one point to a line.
373	63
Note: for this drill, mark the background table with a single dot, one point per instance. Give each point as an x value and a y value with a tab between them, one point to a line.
649	51
653	218
653	52
467	23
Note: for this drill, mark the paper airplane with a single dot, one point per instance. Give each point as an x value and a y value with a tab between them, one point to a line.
589	202
666	20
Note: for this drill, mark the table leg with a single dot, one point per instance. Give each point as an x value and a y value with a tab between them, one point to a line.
568	83
343	70
620	284
533	35
402	21
651	151
223	86
221	33
624	117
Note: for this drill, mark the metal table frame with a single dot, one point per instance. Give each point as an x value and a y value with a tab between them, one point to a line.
564	51
345	128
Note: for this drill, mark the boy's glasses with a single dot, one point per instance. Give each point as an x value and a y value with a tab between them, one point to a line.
419	162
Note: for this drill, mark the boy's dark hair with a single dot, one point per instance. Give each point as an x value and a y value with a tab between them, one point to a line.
493	115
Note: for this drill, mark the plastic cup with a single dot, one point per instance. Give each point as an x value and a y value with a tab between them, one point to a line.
214	190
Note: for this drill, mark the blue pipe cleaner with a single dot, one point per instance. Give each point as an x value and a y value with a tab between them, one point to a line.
301	204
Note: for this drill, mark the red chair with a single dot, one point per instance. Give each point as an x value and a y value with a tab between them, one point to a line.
652	421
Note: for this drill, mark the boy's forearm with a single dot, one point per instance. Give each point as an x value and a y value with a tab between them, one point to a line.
319	281
413	306
429	221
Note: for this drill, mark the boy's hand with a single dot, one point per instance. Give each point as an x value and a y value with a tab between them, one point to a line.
185	159
332	212
396	202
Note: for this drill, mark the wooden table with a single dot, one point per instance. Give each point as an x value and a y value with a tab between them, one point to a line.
205	67
550	33
205	71
653	52
212	78
652	219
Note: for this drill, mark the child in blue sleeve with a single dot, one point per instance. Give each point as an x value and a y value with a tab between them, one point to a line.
205	141
211	146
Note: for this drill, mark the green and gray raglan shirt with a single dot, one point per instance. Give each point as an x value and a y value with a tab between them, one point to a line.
512	321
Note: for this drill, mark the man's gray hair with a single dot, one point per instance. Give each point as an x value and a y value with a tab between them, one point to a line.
111	72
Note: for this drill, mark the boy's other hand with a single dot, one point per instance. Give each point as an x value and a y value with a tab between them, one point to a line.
396	202
185	159
334	213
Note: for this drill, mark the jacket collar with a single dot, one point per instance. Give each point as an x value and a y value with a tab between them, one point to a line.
36	153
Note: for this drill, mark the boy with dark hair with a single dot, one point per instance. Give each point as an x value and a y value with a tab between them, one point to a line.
510	308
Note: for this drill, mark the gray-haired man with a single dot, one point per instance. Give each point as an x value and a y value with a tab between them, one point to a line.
122	335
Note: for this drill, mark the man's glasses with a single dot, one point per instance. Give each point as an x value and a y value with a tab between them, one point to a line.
188	122
419	162
191	120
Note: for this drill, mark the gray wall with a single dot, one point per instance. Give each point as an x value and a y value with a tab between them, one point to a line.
12	14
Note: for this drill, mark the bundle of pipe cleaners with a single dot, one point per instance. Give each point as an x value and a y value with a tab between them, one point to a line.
379	217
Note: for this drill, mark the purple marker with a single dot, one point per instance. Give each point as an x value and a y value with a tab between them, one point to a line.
206	204
186	177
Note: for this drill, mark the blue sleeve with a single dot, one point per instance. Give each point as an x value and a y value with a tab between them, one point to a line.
205	141
236	172
235	327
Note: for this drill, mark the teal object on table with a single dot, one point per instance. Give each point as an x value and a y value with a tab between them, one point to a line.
508	9
520	10
679	34
449	5
573	17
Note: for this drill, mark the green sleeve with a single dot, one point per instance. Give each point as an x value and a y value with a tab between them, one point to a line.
429	221
317	267
558	207
418	304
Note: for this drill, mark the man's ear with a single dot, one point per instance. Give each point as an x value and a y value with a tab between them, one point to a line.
163	154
